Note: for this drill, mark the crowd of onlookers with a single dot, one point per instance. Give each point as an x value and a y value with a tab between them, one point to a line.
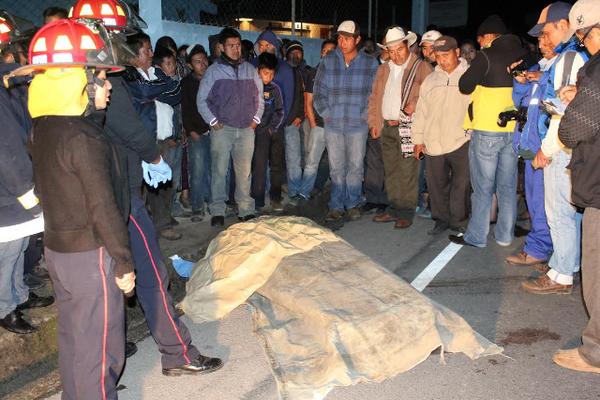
412	126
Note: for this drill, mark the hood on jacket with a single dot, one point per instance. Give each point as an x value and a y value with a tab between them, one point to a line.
58	92
270	37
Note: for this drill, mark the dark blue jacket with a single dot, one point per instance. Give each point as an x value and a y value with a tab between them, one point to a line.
272	118
144	93
284	75
16	173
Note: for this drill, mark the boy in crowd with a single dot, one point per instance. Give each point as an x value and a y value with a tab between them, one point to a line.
197	131
268	143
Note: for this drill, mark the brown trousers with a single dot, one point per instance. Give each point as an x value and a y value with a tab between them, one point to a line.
590	276
401	175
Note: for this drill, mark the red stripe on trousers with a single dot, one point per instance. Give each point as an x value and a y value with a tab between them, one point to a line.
162	290
105	331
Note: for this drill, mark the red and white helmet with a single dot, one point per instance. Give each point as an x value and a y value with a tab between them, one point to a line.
66	43
111	13
5	30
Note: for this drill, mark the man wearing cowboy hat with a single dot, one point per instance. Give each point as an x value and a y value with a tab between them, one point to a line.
391	105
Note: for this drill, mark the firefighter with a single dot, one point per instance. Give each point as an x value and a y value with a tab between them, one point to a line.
87	249
138	148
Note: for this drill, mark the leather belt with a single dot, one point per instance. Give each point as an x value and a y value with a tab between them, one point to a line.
391	123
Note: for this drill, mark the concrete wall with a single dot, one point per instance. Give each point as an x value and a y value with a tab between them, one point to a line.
184	33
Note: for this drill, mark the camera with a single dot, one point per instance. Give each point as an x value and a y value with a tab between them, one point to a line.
528	61
520	116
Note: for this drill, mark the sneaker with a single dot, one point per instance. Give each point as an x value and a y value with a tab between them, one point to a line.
571	359
247	218
199	366
545	285
422	212
353	214
276	206
170	234
296	200
334	215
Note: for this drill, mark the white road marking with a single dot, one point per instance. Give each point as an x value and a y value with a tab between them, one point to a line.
434	267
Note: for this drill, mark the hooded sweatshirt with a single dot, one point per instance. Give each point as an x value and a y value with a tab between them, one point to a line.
72	172
284	75
440	109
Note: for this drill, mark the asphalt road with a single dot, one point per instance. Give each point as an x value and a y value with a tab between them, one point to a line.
476	283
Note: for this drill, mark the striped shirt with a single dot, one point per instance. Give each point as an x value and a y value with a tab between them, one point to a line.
341	93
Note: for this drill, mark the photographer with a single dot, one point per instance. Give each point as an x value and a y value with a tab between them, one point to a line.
529	88
563	219
492	160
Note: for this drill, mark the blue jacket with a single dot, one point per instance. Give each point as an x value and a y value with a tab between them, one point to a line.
272	118
231	94
16	172
284	75
341	94
163	89
530	95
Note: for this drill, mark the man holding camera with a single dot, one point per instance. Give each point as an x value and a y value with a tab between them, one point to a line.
529	89
492	160
563	219
437	131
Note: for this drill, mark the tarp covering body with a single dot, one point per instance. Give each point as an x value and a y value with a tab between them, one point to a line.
326	313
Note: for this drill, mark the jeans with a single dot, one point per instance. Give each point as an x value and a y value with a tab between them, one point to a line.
314	151
199	159
493	168
293	159
226	144
346	162
563	219
12	289
173	156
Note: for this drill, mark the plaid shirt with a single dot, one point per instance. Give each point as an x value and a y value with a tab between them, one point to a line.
341	93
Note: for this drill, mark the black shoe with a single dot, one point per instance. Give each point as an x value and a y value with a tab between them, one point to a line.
33	282
368	208
217	221
35	301
174	222
247	218
201	365
459	240
439	227
520	231
15	323
130	349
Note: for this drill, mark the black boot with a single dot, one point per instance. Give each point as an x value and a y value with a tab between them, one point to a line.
35	301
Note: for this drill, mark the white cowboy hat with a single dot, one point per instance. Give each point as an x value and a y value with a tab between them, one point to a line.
397	34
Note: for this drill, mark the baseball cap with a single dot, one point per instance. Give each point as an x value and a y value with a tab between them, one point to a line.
551	13
445	43
349	27
584	13
430	36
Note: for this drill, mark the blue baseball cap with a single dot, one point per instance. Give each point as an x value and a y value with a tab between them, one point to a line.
552	13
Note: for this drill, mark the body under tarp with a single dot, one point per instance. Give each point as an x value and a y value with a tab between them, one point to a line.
326	313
